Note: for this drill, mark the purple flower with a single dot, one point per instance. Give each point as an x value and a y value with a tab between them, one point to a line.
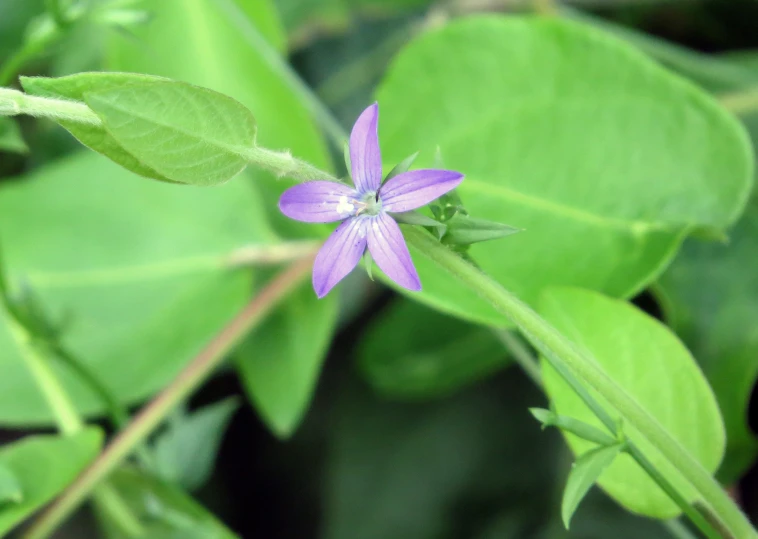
363	210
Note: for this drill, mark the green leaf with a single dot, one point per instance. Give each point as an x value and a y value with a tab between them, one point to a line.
136	274
94	137
578	428
401	357
186	451
280	362
710	296
10	137
465	230
605	159
165	511
186	133
10	488
651	364
43	467
585	471
415	217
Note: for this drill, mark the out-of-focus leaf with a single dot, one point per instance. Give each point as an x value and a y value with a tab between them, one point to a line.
473	465
407	471
10	137
279	363
584	473
411	351
10	488
572	135
186	451
43	466
164	511
710	297
135	272
645	358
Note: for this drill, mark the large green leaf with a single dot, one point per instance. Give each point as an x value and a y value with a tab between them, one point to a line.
411	351
164	511
280	362
43	467
651	364
603	157
133	270
196	41
710	296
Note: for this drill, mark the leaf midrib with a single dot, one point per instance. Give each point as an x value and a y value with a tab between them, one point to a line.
238	151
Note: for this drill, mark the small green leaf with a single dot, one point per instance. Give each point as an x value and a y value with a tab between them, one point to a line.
410	351
43	466
583	430
465	230
94	137
584	473
368	263
186	451
165	511
402	166
10	137
10	488
186	133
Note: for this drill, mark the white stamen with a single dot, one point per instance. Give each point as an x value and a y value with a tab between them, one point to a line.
344	207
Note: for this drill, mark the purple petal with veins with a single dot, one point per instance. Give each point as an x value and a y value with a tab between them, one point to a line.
339	255
411	190
388	249
318	202
365	156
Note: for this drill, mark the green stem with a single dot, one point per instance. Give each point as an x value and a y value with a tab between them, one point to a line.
678	530
196	373
564	357
57	399
13	102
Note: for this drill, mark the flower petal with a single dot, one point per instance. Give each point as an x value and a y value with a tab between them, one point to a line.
318	202
339	255
417	188
388	249
365	156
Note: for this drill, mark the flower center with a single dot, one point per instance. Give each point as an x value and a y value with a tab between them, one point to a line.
369	204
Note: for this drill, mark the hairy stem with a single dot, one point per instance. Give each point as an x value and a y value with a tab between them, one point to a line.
198	370
13	103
